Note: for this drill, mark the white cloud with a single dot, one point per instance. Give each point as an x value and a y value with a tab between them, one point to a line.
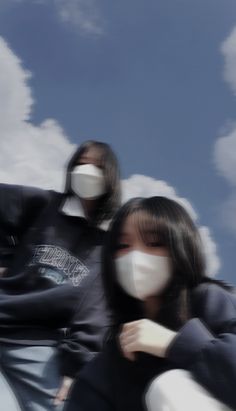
225	155
225	146
82	14
228	49
143	186
29	154
35	155
229	212
210	251
16	95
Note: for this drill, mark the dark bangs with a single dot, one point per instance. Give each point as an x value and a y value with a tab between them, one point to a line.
161	222
152	229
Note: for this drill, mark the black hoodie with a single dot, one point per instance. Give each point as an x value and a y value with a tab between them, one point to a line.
51	293
205	346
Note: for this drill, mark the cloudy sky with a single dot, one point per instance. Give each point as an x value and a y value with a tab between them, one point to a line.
154	78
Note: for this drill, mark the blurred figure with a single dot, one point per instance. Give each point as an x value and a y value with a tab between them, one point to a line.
167	314
53	315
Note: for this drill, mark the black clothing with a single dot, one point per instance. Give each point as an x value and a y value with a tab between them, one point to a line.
52	292
205	345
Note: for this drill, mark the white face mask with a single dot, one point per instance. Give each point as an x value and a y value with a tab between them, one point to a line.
87	181
142	275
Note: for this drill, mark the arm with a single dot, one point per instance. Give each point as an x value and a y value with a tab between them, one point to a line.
210	355
19	206
86	334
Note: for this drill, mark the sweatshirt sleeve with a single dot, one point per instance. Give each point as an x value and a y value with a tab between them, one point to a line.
87	332
206	346
19	205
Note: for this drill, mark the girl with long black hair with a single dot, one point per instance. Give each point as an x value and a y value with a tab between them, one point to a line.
167	314
53	314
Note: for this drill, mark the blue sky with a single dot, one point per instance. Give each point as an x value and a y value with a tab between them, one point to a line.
147	76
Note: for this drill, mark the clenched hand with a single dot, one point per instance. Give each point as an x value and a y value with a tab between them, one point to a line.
146	336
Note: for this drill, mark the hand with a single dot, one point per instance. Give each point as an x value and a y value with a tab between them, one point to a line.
146	336
63	390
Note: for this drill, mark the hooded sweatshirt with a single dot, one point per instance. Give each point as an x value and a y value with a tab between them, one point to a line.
51	292
204	345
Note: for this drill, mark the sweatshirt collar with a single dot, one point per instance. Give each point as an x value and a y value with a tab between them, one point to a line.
73	207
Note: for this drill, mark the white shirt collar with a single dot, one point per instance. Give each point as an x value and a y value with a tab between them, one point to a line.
73	207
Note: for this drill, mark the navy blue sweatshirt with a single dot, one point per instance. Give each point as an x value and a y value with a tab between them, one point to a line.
205	346
51	293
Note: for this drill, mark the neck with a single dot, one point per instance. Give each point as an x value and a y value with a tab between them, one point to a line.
152	307
88	206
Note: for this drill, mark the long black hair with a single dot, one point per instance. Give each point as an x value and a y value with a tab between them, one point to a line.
109	203
169	224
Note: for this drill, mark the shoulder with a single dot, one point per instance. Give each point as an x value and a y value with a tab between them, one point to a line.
214	304
47	197
209	291
35	196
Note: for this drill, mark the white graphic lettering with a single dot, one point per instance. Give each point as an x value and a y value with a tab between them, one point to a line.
59	259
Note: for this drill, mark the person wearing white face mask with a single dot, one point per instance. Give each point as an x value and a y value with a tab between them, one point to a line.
173	326
142	274
88	182
53	314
